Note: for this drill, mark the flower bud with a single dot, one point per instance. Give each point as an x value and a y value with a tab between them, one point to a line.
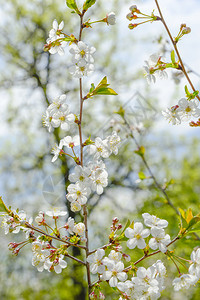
186	30
133	8
79	228
111	18
131	26
115	220
101	296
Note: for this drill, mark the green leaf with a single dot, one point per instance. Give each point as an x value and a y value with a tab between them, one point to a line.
72	4
194	221
126	226
173	57
189	216
141	175
182	213
187	91
105	91
92	88
3	208
101	89
140	151
87	4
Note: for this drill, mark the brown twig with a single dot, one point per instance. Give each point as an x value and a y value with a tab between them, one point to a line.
176	49
81	161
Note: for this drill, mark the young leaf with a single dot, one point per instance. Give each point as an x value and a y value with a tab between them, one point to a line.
105	91
92	88
87	4
187	91
141	175
173	57
140	151
3	207
72	4
189	216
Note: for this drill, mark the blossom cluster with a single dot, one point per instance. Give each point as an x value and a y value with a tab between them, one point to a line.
46	256
186	280
148	283
137	234
183	111
58	115
155	67
92	177
56	40
82	59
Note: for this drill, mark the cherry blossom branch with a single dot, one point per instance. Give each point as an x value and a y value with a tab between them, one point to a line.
53	237
152	254
81	160
169	202
176	49
150	171
76	259
103	247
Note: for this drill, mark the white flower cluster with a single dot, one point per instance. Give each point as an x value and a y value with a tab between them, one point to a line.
46	259
137	234
58	114
110	268
71	227
93	176
146	285
14	223
186	280
82	59
56	37
183	111
153	68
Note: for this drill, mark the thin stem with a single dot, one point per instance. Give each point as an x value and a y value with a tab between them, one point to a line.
179	261
175	264
52	237
81	161
152	254
176	49
76	259
150	171
103	247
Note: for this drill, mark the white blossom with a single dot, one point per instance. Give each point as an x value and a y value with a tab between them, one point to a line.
70	142
57	265
153	221
111	18
81	69
184	281
172	115
136	236
99	149
194	269
114	272
188	109
56	36
56	212
95	260
69	226
113	142
99	180
81	51
63	119
56	151
79	229
78	192
81	174
59	104
159	240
